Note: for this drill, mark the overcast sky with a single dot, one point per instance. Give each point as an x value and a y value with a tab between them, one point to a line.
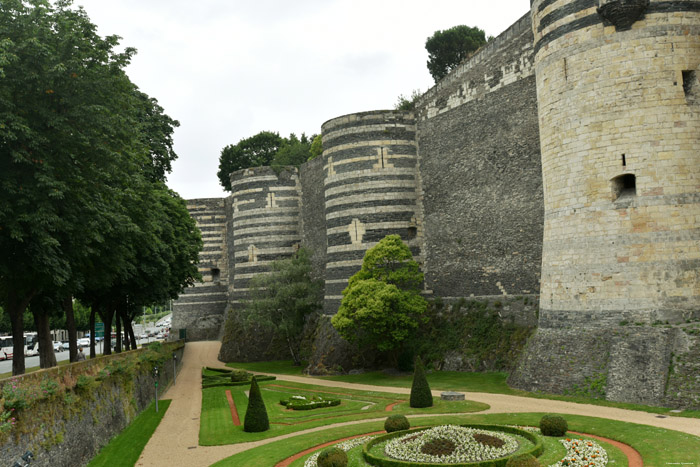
228	69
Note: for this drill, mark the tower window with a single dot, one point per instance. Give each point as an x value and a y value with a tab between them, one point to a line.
215	274
623	186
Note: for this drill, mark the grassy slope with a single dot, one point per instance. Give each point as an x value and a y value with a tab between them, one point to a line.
125	448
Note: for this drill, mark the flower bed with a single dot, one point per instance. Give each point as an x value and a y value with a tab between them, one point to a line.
582	453
467	445
308	403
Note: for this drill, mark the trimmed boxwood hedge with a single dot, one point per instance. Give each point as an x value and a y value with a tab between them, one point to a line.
536	450
223	378
309	404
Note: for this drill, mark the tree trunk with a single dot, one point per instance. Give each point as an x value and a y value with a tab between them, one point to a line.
129	330
47	357
15	308
106	316
293	352
70	326
93	309
118	321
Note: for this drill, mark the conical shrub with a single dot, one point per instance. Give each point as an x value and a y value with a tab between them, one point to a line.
256	415
420	391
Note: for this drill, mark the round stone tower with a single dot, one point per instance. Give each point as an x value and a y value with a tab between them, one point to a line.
264	223
370	191
617	87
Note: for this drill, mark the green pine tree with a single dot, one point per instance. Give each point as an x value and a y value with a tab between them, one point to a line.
420	390
256	415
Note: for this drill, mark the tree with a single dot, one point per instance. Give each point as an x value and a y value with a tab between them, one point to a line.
382	306
408	103
446	49
421	396
316	147
256	419
256	151
293	152
282	299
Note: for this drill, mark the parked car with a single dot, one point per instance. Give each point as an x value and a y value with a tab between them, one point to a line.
57	346
32	350
84	342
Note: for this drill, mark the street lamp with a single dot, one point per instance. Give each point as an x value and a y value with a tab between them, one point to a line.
155	377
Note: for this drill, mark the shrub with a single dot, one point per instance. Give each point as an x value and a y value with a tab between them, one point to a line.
420	390
396	423
332	457
256	415
523	460
553	425
239	375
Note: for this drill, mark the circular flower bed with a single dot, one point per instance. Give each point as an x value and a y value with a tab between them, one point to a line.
450	444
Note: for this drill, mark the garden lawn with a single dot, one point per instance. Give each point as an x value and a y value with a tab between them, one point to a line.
125	448
216	426
493	383
659	447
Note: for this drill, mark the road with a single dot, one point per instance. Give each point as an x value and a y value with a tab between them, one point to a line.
31	362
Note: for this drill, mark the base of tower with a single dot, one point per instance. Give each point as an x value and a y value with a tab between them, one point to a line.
635	364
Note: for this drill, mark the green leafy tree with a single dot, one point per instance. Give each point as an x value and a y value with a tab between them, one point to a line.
282	299
256	419
293	152
408	103
316	147
382	307
446	49
421	396
256	151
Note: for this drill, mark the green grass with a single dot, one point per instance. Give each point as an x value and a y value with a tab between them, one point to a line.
659	447
493	383
216	427
125	448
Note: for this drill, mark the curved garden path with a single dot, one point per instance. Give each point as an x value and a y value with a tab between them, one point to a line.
174	442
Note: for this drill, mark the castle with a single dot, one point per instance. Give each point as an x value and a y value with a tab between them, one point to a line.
560	163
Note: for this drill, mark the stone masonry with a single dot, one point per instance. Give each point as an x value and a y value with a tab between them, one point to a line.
560	163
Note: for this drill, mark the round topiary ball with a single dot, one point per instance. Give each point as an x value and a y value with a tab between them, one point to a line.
553	425
523	460
332	457
396	423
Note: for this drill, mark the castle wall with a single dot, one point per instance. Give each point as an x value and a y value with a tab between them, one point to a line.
313	214
480	172
265	223
612	104
200	309
620	137
370	191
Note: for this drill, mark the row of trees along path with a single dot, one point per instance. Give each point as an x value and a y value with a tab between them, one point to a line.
84	209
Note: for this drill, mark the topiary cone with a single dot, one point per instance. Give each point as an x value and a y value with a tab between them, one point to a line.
256	415
420	390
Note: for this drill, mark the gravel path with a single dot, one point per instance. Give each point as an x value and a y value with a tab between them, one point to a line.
174	442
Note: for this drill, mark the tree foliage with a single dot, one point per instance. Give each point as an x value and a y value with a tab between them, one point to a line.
382	306
282	299
421	396
85	154
408	102
256	151
266	149
256	419
446	49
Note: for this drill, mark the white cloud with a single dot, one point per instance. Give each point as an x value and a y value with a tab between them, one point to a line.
229	69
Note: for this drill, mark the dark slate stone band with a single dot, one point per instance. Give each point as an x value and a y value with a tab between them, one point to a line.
590	20
363	179
566	10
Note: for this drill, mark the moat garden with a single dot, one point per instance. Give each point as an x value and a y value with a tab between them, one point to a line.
308	424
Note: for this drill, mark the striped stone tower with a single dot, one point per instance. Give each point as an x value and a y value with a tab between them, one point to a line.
370	191
200	309
265	223
617	86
